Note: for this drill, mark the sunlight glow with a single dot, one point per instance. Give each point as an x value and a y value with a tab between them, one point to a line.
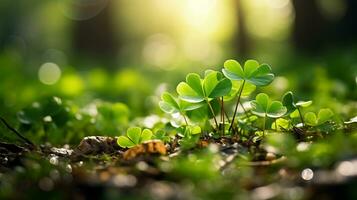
269	19
159	50
198	12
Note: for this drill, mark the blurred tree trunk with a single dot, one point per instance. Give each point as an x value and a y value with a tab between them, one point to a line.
241	37
309	26
346	29
94	37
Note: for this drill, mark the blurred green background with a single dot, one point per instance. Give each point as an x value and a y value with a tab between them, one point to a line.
123	51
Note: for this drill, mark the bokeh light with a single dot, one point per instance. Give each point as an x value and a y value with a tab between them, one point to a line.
49	73
307	174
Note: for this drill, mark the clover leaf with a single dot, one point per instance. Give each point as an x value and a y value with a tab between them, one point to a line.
288	102
254	73
264	107
291	105
323	116
196	90
172	105
293	108
134	136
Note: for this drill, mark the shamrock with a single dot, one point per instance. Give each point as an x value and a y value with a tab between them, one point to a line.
196	90
254	73
262	106
134	136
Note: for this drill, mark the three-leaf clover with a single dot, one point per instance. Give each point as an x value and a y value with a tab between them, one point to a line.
323	116
134	136
254	73
262	106
197	90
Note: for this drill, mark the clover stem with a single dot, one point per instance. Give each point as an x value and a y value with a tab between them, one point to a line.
276	125
214	117
264	125
229	121
236	108
301	118
184	119
245	111
222	115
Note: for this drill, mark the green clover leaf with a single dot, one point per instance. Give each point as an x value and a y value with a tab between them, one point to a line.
191	90
262	106
134	136
253	73
291	105
196	90
172	105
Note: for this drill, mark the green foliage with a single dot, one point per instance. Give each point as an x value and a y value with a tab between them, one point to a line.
111	116
281	124
161	135
202	98
264	107
134	136
51	109
323	116
190	136
254	73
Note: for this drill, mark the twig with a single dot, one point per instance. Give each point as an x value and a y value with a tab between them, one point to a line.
17	133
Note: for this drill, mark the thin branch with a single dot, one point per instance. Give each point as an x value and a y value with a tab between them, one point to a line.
17	133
